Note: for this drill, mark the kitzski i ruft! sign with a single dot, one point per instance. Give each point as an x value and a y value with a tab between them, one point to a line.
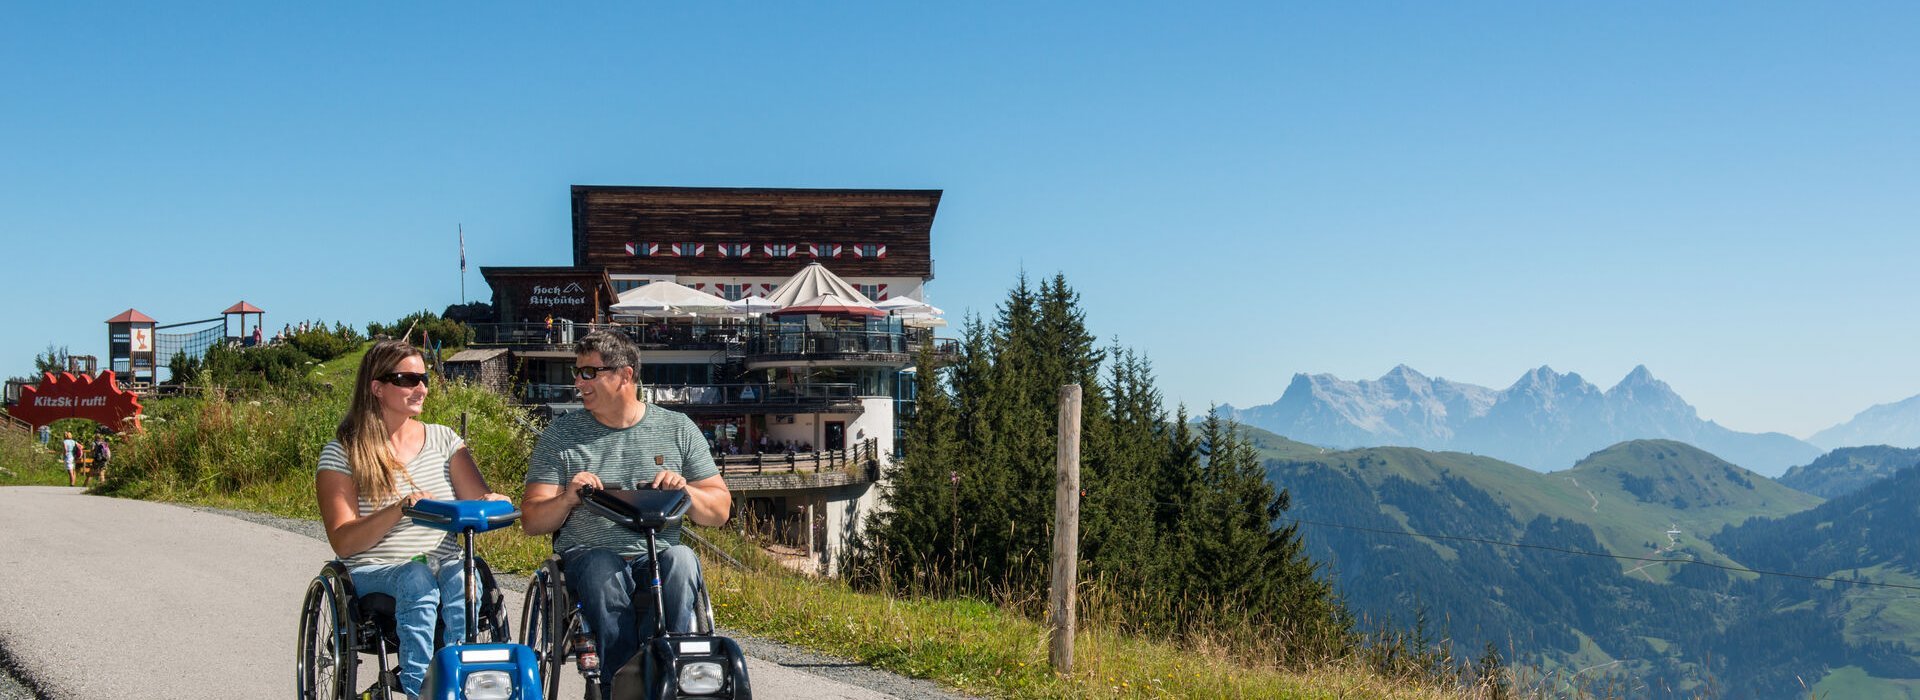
98	399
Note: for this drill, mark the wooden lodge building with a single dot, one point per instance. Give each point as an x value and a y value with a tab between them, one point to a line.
800	409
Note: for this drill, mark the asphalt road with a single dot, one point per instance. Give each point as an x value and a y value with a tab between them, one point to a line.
111	598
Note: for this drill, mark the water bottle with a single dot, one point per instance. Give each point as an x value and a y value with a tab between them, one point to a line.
586	656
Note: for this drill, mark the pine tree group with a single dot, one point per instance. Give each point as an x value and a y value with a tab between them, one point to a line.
1177	518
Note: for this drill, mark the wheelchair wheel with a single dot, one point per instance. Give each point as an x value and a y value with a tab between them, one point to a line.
538	628
325	663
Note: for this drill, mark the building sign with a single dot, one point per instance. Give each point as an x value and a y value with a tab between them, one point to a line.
98	399
572	294
143	340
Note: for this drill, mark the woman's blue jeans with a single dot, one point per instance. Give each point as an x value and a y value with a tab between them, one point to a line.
419	596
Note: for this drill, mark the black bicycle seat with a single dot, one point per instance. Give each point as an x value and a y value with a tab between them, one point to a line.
639	510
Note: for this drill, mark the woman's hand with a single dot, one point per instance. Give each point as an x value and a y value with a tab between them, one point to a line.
491	496
413	499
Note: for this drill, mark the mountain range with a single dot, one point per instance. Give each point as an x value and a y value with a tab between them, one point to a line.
1896	424
1545	421
1480	550
1849	469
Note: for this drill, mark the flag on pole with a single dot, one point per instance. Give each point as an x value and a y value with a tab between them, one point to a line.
463	248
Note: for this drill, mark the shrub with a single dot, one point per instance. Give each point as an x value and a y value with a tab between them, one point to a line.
322	343
424	324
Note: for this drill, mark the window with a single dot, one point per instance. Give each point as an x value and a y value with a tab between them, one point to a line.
869	250
823	250
689	250
622	286
780	250
735	250
675	375
642	250
875	292
733	292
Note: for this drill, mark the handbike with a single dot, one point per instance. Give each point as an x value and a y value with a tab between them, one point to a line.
338	624
668	665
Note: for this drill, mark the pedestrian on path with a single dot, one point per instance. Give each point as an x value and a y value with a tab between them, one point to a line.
70	451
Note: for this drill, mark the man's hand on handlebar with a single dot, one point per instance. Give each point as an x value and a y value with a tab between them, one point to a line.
669	481
579	481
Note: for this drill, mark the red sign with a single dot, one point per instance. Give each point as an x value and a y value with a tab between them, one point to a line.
98	399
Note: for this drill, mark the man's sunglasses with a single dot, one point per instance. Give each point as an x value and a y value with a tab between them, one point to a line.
589	372
405	380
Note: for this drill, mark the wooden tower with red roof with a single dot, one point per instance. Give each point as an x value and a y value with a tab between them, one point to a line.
130	348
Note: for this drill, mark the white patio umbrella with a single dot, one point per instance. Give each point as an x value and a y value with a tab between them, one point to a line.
909	306
812	281
667	298
755	304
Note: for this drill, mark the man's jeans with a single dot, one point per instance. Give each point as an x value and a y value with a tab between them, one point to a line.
616	603
418	593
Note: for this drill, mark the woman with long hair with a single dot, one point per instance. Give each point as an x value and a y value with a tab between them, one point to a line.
381	459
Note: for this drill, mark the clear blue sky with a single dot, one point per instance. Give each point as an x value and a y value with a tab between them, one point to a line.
1726	193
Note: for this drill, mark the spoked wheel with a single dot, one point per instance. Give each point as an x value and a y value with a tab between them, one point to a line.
325	664
537	631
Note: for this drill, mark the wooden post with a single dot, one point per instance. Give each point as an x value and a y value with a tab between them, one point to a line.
1066	530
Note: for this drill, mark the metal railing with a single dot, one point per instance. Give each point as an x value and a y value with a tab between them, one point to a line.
772	395
783	342
754	394
863	455
689	336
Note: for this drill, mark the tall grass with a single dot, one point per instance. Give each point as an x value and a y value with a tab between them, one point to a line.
24	462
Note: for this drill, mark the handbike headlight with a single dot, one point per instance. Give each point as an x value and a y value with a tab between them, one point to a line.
701	678
488	685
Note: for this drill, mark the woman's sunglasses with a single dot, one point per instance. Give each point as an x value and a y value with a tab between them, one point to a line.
405	380
589	372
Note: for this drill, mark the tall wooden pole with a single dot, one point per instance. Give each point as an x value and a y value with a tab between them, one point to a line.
1066	530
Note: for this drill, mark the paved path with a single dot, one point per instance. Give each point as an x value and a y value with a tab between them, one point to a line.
112	598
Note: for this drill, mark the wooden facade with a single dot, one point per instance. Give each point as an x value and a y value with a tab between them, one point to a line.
738	231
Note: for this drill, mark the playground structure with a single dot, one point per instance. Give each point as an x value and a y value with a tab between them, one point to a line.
137	349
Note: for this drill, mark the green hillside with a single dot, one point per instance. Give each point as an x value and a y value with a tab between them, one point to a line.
1666	624
1630	494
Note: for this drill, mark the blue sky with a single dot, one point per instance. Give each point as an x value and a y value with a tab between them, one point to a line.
1723	192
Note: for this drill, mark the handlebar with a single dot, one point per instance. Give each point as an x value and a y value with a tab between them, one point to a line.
639	510
479	515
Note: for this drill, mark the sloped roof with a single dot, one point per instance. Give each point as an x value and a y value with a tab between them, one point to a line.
131	316
244	308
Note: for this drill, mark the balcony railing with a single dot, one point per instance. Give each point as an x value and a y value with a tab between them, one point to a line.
769	395
781	342
677	336
861	456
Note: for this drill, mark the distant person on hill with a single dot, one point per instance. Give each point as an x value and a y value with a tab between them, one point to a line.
382	458
46	434
70	451
620	442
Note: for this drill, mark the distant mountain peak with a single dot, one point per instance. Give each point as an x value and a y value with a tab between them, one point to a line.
1545	420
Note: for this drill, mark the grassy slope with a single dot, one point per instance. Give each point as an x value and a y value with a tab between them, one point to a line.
258	454
1591	493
